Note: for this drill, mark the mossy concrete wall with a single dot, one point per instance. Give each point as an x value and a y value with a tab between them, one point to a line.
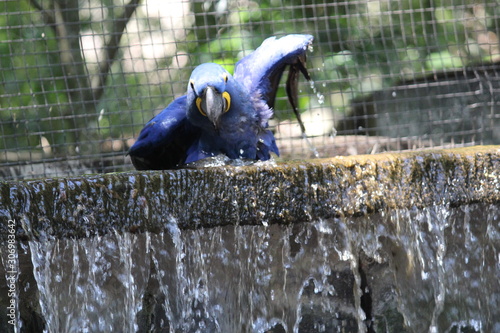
289	192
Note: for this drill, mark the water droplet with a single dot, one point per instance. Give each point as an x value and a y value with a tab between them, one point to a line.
101	113
321	98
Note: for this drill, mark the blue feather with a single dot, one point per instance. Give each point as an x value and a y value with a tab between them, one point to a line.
261	71
222	114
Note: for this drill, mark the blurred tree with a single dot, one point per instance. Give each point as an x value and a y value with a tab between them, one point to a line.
62	68
83	88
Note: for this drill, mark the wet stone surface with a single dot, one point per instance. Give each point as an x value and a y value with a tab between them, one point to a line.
385	243
249	195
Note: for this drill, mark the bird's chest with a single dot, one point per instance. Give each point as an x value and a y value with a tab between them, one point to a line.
239	127
236	138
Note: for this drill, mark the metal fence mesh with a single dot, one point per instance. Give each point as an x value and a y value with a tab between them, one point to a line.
80	78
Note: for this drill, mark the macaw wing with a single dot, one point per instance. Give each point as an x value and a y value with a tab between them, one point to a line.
164	141
260	72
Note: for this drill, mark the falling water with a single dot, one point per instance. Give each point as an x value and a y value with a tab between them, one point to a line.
93	284
412	270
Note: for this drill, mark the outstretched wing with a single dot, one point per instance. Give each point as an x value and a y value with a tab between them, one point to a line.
261	71
164	141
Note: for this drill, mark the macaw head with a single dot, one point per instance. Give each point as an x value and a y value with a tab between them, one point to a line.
207	95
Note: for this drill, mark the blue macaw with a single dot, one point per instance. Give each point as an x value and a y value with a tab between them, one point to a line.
224	114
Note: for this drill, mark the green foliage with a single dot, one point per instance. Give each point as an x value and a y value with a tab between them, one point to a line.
359	47
33	87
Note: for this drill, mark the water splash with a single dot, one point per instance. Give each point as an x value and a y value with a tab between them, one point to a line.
320	96
311	146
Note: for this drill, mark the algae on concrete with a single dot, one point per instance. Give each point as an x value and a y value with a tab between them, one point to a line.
296	191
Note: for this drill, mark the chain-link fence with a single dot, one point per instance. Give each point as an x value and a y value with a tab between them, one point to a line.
80	78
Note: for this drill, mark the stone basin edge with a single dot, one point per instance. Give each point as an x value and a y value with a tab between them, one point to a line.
259	194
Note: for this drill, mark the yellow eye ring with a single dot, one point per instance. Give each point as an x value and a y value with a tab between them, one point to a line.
198	105
227	97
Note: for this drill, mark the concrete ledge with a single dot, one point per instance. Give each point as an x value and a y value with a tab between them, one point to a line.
291	192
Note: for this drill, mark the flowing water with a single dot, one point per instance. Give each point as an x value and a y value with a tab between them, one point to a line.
434	269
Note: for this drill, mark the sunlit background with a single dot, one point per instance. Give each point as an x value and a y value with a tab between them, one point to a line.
80	78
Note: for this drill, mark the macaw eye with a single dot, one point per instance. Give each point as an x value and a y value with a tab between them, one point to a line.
227	101
198	105
225	77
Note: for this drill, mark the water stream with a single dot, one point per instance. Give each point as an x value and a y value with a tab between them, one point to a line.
434	269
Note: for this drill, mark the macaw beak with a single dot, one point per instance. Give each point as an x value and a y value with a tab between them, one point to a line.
213	105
